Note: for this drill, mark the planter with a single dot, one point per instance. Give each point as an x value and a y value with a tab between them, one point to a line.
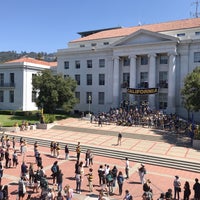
196	144
10	129
45	126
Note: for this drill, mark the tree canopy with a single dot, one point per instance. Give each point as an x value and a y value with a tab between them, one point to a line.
54	91
191	91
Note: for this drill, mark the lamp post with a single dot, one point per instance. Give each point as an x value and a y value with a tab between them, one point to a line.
89	101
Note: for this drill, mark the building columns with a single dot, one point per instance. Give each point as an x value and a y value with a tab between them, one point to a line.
116	84
171	84
152	79
133	75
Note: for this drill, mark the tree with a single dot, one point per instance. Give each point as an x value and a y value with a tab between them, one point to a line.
191	91
54	91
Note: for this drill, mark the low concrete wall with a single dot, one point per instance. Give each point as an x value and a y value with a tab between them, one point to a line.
44	126
196	144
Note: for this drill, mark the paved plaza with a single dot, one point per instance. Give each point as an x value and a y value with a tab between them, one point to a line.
135	139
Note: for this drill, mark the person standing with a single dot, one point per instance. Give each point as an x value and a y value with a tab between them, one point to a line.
114	174
142	172
128	196
187	191
177	187
196	188
119	141
66	152
90	179
127	168
57	150
78	151
15	159
7	158
54	170
120	181
59	179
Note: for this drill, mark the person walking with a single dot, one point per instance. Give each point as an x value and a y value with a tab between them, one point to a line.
177	187
120	181
127	168
142	172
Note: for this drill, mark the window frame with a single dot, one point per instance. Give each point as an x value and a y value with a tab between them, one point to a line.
89	79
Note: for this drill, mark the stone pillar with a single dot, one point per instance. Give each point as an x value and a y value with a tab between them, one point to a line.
116	84
152	79
171	83
133	75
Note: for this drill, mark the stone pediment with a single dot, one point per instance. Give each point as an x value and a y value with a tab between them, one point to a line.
142	36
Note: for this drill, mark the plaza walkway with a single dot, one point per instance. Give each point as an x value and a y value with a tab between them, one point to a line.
135	139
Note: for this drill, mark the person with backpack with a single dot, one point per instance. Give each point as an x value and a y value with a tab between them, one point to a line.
54	170
120	181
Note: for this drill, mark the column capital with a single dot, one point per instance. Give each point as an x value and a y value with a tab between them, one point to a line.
152	55
116	58
172	53
134	56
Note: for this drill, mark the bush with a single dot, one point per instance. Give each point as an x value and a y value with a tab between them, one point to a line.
49	118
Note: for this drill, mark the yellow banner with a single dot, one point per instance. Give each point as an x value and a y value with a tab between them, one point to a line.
142	91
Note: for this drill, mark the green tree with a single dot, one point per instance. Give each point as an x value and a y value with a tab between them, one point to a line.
191	91
54	91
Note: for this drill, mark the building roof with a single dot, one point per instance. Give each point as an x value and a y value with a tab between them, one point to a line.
34	61
160	27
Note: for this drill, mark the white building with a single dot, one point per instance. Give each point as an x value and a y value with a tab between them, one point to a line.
107	62
16	91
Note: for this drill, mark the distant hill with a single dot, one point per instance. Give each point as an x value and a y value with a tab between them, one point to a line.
12	55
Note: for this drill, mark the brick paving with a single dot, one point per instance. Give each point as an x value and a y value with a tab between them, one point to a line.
161	177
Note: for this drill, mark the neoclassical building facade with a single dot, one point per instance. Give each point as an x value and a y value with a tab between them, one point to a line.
109	63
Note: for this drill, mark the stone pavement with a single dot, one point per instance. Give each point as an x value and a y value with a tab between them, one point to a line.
135	139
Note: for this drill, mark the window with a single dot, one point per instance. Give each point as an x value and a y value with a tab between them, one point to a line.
34	96
94	44
181	34
66	76
163	59
77	64
106	43
82	45
11	96
1	95
101	97
101	63
163	79
197	33
101	79
144	80
89	63
1	79
66	64
89	79
126	80
126	61
77	95
78	79
12	79
162	100
196	57
144	60
89	97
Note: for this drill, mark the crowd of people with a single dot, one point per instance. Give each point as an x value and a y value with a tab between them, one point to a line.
33	178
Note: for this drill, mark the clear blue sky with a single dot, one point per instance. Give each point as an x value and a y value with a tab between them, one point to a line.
48	25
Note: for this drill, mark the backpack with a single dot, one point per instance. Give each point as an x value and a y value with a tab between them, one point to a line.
130	197
1	195
54	169
43	183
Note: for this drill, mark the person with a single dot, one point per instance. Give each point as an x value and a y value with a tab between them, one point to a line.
31	173
109	181
196	188
119	141
162	196
168	194
57	150
187	191
66	152
127	168
142	172
15	159
24	170
21	189
146	186
59	180
59	196
147	195
1	173
91	158
7	158
13	142
54	170
54	148
87	157
78	178
114	174
120	181
90	179
177	187
5	192
68	192
78	151
51	147
101	174
128	196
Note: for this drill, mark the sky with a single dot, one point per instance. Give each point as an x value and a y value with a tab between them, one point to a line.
48	25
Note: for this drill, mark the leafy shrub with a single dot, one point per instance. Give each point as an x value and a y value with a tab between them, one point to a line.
49	118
